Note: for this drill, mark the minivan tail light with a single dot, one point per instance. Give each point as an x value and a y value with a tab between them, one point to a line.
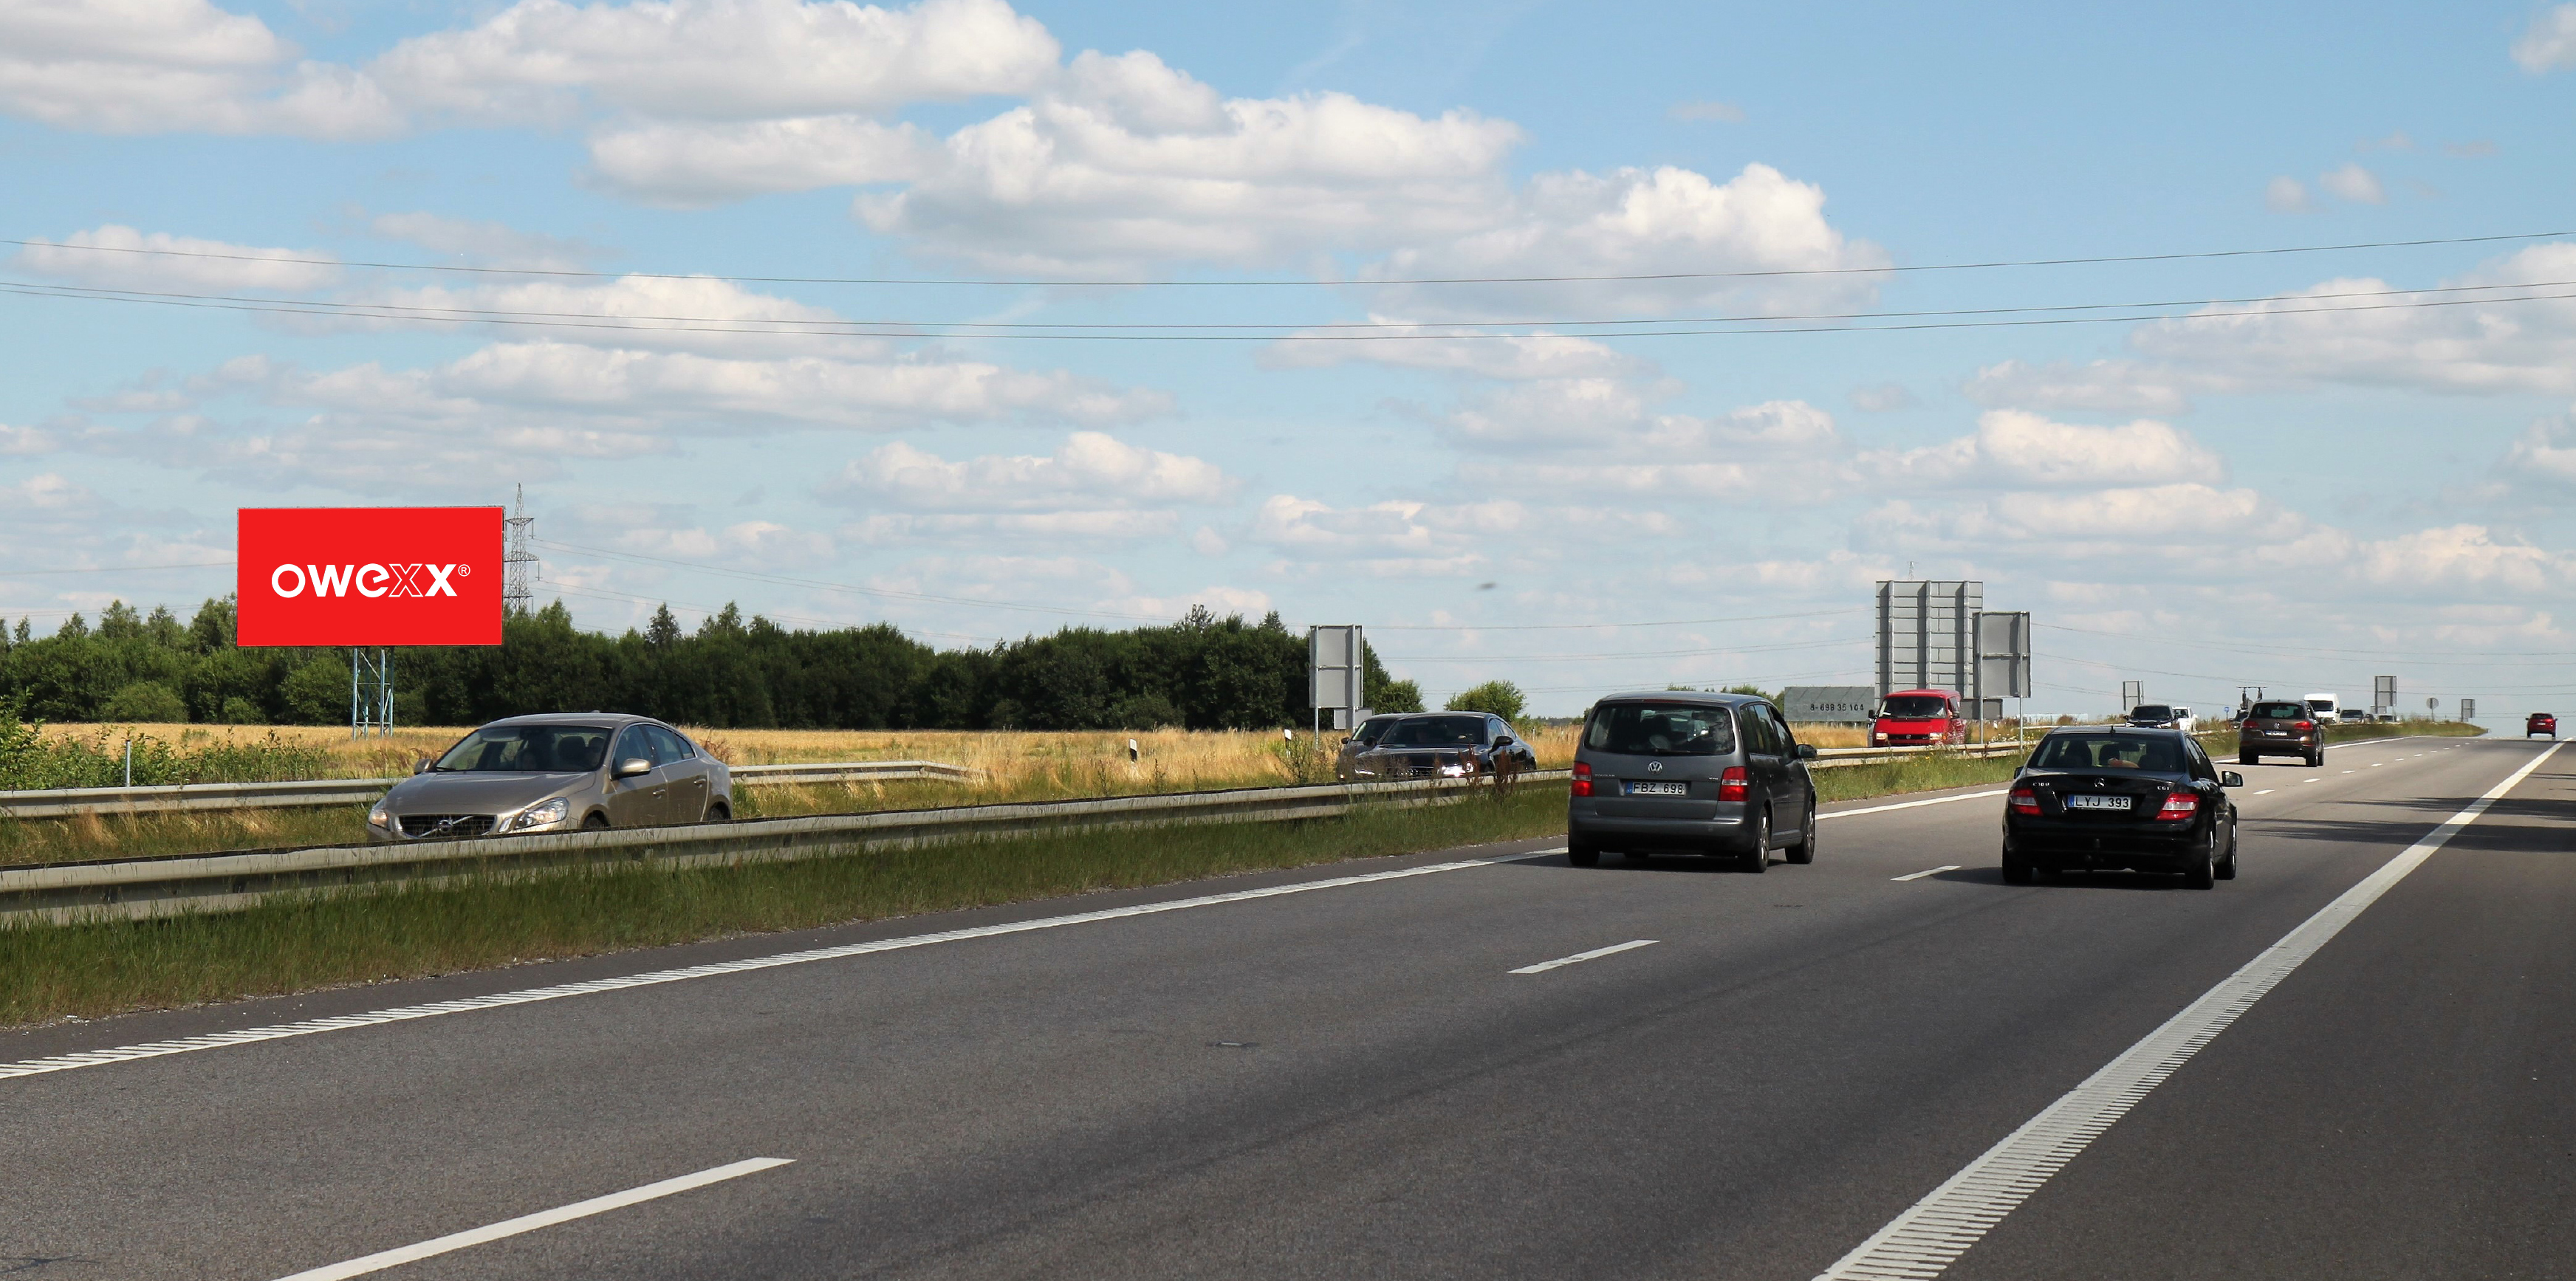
1582	779
2304	725
2024	801
2179	805
1735	784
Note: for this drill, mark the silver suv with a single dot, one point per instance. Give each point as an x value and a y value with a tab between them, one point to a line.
1690	773
557	773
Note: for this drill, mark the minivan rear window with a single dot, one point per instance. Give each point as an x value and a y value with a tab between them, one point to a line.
1660	729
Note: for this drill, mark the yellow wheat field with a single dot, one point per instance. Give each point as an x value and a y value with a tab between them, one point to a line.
1215	756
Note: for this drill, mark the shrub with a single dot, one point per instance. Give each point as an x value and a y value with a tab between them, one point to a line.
145	702
1495	698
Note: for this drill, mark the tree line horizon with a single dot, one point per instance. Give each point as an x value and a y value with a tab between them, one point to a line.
1201	672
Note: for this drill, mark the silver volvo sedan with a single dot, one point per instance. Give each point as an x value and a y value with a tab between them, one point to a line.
557	773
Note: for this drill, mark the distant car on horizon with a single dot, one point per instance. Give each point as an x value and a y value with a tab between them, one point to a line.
554	773
2161	716
2540	723
2354	716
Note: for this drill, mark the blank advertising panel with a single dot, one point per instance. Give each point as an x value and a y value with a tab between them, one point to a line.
370	576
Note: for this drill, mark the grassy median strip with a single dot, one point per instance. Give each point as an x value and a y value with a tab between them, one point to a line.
330	940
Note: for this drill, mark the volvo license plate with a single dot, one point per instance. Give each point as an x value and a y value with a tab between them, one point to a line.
2097	802
1658	789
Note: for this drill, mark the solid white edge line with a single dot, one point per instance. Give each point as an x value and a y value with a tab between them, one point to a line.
401	1014
1916	876
1593	955
395	1258
1932	1233
2265	792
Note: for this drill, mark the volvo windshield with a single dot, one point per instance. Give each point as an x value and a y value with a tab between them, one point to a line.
528	749
1436	731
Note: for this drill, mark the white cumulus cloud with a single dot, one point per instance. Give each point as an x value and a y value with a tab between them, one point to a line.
146	66
2549	43
2018	450
1091	470
116	257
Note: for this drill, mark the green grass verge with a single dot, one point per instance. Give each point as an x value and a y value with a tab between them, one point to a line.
320	941
1913	774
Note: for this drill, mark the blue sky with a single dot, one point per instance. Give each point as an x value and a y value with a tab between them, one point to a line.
2285	494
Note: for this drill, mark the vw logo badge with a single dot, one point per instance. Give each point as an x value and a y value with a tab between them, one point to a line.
1656	766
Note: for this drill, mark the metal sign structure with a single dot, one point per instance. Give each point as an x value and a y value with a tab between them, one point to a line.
1926	637
2383	696
2003	655
1828	704
2468	709
2132	693
371	692
1337	668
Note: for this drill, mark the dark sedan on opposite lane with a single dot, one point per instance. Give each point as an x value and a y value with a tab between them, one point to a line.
2101	797
1442	745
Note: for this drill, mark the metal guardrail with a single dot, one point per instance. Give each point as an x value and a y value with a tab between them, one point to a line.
66	802
136	888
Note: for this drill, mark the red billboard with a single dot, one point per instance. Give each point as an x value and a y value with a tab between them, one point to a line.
370	576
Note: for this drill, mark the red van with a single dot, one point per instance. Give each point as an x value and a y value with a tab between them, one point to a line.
1918	717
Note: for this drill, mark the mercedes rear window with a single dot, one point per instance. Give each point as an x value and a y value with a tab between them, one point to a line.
2108	751
1661	729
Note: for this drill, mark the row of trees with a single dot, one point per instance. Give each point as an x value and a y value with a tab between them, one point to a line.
1203	672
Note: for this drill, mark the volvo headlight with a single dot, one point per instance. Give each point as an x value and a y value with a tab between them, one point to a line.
539	815
377	817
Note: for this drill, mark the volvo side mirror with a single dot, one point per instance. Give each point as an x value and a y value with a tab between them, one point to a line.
1502	740
1806	751
424	766
2231	779
632	766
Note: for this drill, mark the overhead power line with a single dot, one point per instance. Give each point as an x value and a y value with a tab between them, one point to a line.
1750	274
13	572
759	576
1975	318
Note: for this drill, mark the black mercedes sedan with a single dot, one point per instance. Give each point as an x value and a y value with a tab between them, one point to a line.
2114	796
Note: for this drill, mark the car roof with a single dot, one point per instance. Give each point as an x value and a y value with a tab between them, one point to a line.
575	718
2141	731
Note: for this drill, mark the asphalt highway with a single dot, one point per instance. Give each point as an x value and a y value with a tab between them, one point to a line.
1727	1075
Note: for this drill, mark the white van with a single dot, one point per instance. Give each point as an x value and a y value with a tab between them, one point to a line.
2328	707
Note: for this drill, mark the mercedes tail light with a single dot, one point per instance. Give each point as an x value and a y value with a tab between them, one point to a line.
2179	805
1735	784
2024	801
1582	779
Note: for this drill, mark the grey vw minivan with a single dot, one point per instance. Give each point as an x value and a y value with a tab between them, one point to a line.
1677	771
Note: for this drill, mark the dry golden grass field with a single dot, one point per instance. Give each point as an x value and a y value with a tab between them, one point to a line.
1185	759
